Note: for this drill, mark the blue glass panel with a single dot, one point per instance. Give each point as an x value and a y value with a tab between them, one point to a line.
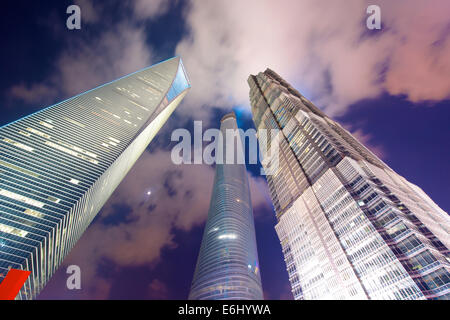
180	83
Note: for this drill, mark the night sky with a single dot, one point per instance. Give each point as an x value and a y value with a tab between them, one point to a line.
390	87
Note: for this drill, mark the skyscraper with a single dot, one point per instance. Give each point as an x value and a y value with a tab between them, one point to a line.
227	266
58	166
349	226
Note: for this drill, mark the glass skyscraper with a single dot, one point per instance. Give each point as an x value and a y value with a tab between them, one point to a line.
227	266
349	226
58	166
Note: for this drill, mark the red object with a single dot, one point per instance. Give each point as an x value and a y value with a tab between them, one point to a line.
13	282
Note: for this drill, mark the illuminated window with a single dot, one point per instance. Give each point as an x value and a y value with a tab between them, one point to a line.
213	230
75	122
33	213
115	140
39	133
106	111
18	144
53	199
12	230
17	168
227	236
74	181
73	153
71	146
26	134
47	125
21	198
140	106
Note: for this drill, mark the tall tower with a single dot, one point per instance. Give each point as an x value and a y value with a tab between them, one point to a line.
349	226
227	266
58	166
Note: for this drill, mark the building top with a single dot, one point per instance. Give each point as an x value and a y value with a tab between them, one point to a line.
228	115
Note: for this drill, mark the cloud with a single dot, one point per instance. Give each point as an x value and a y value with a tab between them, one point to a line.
322	47
151	220
179	200
157	290
88	12
420	64
34	93
85	65
261	201
140	9
366	140
144	9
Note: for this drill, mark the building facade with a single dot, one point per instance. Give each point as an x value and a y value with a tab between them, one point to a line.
349	226
227	266
58	166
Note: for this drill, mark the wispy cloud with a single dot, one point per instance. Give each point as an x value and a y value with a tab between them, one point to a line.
90	60
151	219
179	200
322	47
367	140
32	94
157	290
117	52
144	9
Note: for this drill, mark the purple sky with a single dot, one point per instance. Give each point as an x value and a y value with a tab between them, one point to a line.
390	87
